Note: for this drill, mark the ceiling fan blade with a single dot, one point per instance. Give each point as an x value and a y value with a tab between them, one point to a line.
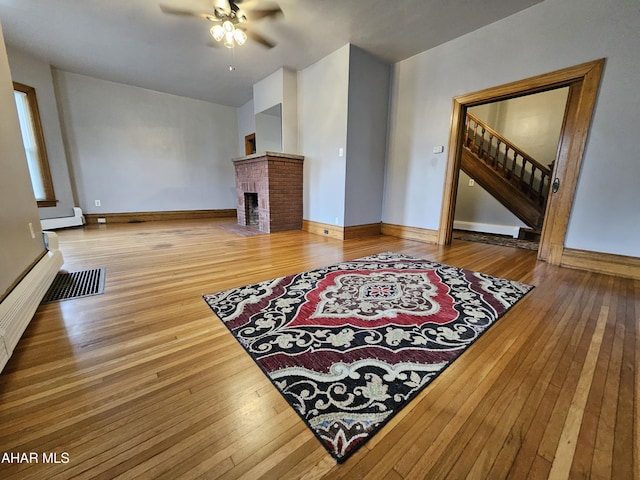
264	13
222	7
187	13
260	39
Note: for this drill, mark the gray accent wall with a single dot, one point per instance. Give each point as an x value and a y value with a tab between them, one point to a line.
368	113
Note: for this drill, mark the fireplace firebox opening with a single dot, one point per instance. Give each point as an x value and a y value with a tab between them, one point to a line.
252	213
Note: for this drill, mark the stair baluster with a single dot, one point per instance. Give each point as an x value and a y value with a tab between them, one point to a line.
508	162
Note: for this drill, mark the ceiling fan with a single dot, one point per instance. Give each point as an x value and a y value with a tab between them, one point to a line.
231	23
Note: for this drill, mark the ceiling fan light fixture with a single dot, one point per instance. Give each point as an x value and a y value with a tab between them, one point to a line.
230	21
217	32
239	36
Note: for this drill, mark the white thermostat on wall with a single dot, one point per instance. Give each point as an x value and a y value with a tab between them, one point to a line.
438	149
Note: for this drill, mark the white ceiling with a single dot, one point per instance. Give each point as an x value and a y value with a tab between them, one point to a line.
133	42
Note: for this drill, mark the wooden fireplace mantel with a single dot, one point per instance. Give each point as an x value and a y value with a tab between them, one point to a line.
277	179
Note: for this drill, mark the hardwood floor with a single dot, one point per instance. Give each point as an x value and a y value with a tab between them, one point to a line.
145	382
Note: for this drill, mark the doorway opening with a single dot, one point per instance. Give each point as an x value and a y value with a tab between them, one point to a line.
509	150
583	82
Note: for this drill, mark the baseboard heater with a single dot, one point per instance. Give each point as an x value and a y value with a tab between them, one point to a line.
62	222
18	308
487	228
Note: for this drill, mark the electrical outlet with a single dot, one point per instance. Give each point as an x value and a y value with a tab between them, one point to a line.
472	182
98	203
102	220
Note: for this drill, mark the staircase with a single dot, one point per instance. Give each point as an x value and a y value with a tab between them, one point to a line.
515	179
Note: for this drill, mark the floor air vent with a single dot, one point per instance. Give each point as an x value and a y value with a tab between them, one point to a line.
69	285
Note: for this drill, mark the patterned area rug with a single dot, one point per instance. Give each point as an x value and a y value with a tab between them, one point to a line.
349	345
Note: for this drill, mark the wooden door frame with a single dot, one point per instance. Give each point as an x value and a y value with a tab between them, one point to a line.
583	81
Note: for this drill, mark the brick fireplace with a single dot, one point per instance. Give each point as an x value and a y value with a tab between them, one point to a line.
269	191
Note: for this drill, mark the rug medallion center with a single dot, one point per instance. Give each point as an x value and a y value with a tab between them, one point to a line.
366	297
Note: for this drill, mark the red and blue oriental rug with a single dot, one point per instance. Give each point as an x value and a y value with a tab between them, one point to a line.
349	345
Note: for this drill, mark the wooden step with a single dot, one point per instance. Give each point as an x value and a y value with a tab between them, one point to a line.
532	234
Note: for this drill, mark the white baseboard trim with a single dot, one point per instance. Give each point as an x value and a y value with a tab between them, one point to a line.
18	308
487	228
63	222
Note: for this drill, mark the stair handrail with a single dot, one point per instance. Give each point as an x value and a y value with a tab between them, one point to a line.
513	167
513	147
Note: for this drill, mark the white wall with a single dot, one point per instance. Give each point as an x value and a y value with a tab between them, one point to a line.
268	91
548	36
268	95
290	112
278	89
37	74
137	150
322	100
418	122
474	205
18	250
368	113
246	124
269	130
